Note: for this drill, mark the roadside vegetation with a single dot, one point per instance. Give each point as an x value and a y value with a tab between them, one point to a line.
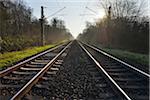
124	30
9	58
20	32
142	59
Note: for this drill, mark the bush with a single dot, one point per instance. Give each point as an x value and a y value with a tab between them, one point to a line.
15	43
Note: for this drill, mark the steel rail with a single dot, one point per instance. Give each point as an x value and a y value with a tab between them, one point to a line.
109	77
26	88
116	59
35	79
14	67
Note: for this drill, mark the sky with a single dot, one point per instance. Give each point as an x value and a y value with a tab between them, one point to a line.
75	13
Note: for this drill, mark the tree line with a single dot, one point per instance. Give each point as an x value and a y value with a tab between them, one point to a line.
124	27
19	29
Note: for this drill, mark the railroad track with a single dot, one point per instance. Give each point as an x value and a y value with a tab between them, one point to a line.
74	71
78	78
132	82
16	80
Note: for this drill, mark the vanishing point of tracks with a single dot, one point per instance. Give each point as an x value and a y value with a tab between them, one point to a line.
74	70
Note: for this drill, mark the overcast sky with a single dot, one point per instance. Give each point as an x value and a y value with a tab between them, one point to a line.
73	14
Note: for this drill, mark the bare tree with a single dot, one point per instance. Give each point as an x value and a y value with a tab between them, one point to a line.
124	27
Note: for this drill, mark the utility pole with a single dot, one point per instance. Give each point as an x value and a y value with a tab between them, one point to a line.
109	12
108	26
42	26
42	23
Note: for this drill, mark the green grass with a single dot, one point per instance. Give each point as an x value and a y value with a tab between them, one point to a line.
135	57
9	58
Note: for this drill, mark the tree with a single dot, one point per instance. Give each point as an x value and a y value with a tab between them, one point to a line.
19	29
124	27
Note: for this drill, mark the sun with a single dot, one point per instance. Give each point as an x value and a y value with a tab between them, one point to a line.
101	14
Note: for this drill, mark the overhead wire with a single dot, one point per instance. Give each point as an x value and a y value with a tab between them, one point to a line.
83	13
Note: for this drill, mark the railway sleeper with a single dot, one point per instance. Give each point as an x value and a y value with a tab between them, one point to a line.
16	78
133	87
10	86
51	54
120	74
117	70
54	69
129	79
12	82
38	63
24	73
30	69
113	67
140	97
47	78
45	58
33	65
109	64
58	63
51	72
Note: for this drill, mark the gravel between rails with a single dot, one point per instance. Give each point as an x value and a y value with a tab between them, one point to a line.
78	79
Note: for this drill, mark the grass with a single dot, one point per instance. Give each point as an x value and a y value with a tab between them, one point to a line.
9	58
135	57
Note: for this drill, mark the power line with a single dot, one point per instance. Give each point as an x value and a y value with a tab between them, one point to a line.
56	12
58	3
84	13
91	10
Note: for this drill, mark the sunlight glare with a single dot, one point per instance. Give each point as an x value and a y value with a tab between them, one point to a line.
100	14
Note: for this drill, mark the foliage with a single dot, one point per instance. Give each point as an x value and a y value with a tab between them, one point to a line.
15	43
9	58
135	57
123	28
19	29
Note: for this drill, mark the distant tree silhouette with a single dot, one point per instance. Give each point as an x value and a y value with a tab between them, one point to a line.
124	27
20	29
